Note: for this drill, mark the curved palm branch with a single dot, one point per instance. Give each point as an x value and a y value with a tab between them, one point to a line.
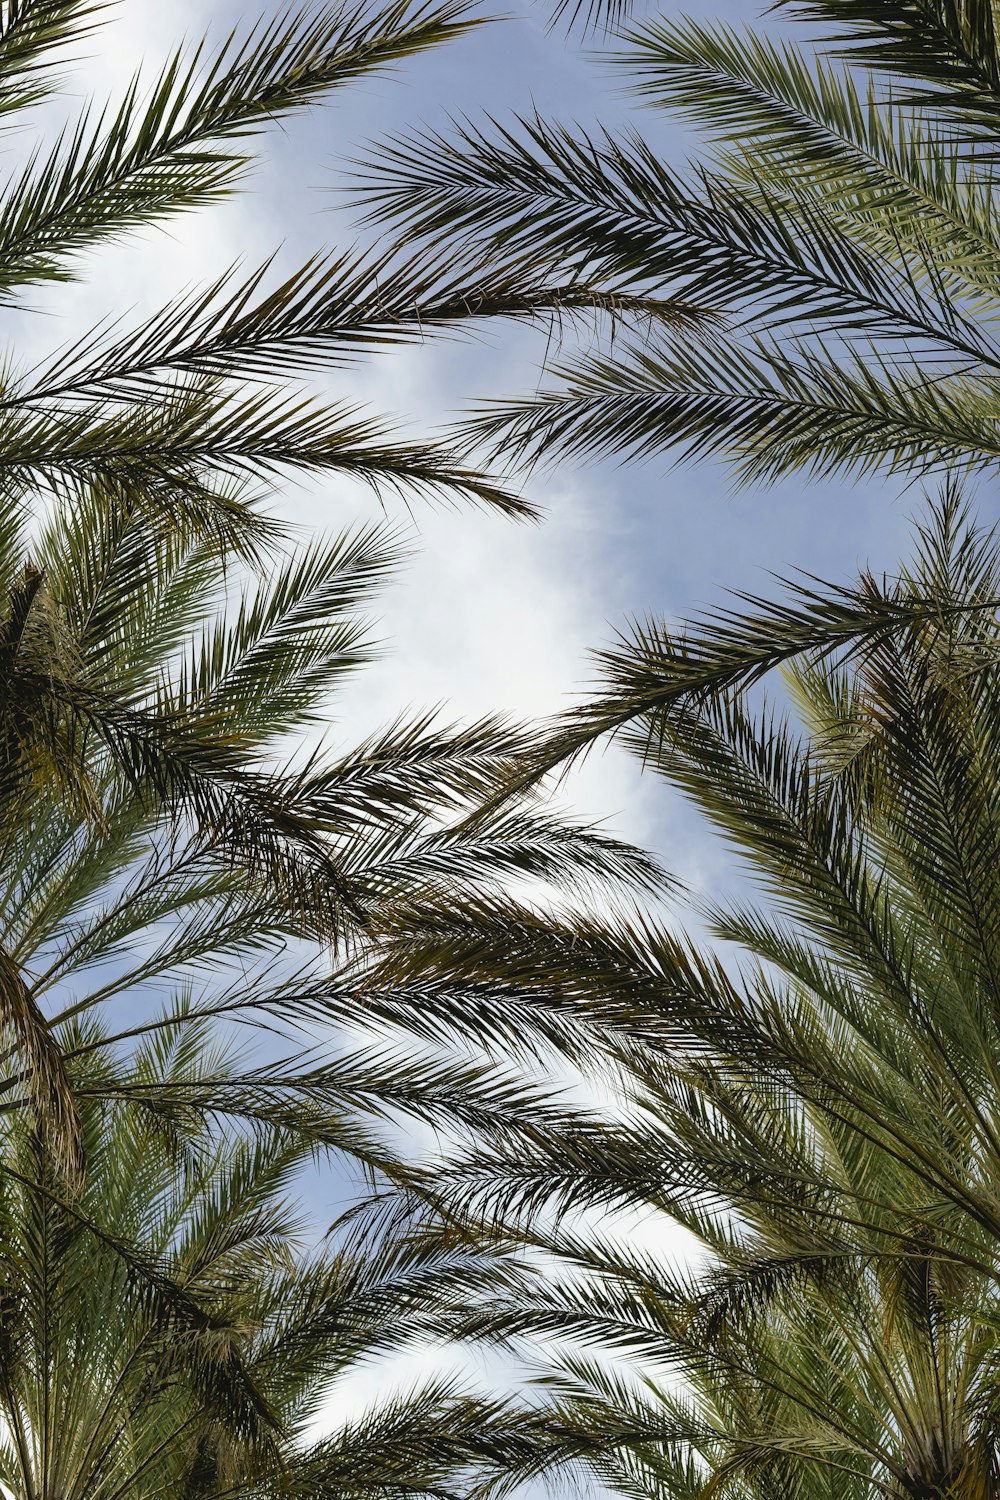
166	1330
843	232
163	839
805	1086
193	411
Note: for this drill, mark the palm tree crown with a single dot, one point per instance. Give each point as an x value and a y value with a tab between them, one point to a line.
807	1083
840	242
183	853
170	1332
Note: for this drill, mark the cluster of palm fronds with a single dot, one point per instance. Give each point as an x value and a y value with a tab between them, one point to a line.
178	876
180	869
807	1087
839	243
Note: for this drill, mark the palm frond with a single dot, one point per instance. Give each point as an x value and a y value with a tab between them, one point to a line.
330	311
31	30
165	150
946	53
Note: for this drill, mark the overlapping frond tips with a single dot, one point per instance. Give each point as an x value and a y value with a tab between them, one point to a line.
657	669
867	244
30	32
843	226
165	150
602	18
248	814
945	52
770	410
194	445
293	637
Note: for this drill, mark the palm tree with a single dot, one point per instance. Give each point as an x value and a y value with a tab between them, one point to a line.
187	867
175	864
172	852
197	408
842	231
220	1385
142	776
806	1081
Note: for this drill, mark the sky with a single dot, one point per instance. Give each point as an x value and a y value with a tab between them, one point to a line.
488	616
